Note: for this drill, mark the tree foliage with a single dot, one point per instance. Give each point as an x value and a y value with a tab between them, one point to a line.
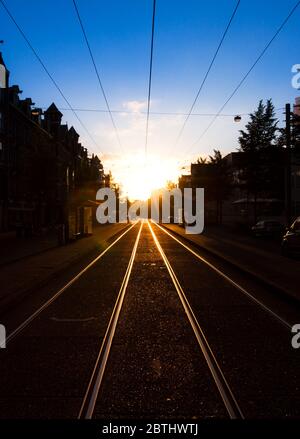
263	171
261	129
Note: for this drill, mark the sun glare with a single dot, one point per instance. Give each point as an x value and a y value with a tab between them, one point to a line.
139	177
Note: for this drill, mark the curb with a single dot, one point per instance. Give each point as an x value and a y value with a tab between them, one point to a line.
282	292
8	302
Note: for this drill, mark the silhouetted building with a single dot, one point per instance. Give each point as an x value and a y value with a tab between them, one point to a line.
202	176
45	172
227	197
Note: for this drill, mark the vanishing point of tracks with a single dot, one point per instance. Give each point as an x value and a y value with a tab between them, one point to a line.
159	348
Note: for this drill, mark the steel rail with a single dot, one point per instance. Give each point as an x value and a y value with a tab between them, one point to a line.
231	281
92	392
34	315
230	403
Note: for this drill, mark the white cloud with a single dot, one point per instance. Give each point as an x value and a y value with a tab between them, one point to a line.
135	106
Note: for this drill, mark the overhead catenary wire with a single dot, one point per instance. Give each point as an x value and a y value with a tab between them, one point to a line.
214	115
233	115
97	73
241	82
150	77
159	113
208	71
47	71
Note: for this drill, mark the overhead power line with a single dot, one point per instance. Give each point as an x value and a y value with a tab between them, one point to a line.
248	73
208	71
47	71
159	113
97	72
150	77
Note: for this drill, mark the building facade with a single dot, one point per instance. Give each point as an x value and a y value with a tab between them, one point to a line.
45	172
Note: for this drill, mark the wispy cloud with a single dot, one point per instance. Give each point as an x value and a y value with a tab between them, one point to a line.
135	106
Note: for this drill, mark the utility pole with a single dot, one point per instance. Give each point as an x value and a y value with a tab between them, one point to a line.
288	195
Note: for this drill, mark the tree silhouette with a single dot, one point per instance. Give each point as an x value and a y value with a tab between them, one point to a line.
170	185
260	130
202	160
259	142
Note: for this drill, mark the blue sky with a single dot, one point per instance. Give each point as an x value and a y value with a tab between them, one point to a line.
187	33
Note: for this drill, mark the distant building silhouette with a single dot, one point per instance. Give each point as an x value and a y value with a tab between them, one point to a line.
237	203
45	173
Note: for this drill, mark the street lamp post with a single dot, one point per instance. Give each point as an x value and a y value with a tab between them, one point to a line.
288	195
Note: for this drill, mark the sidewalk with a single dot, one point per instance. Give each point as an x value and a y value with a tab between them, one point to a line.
243	238
23	276
265	264
13	248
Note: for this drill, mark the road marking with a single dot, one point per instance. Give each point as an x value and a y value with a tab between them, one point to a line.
91	394
235	284
226	394
33	316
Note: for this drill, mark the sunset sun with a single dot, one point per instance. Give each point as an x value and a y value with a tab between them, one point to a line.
139	177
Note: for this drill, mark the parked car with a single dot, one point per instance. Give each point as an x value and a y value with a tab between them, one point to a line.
291	240
268	228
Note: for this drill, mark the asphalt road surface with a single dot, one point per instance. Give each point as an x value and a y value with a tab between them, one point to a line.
150	329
